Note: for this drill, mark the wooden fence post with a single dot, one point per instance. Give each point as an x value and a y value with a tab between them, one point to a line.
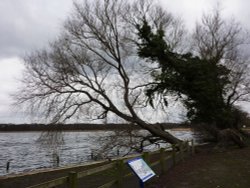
162	160
174	154
8	166
182	150
118	152
72	180
119	173
145	156
57	161
188	148
192	146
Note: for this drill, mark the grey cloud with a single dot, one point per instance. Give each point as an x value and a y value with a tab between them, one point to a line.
29	24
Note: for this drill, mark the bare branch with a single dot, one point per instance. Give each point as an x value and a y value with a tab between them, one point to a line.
93	68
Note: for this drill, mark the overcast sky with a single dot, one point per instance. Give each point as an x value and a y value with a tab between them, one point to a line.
26	25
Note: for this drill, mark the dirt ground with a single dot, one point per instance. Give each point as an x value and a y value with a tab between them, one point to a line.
210	169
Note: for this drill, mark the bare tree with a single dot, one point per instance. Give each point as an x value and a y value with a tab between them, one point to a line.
223	42
209	82
124	142
93	69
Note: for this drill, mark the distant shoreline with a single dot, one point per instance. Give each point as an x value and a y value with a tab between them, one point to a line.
81	127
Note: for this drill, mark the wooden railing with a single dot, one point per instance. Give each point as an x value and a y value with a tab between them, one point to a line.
174	153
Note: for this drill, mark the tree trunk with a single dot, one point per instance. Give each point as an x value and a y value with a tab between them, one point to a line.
157	131
227	136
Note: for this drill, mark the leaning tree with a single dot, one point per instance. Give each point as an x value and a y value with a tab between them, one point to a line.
93	69
209	79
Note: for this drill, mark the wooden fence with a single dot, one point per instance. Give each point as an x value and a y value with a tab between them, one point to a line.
174	153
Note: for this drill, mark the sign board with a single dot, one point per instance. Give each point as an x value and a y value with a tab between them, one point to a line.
141	169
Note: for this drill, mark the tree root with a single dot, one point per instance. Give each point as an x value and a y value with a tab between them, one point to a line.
228	136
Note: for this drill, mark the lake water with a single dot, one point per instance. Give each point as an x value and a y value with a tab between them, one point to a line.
26	154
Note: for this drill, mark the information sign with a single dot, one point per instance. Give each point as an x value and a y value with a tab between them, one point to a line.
141	169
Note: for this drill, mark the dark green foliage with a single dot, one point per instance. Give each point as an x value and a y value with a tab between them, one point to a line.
199	83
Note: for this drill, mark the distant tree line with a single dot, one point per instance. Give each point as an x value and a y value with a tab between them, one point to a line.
80	127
